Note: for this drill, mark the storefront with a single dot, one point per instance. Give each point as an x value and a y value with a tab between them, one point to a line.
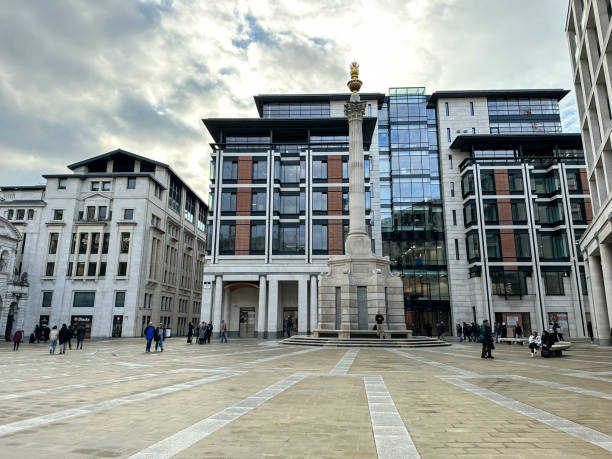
85	321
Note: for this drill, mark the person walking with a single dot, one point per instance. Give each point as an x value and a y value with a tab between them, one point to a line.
441	328
159	337
460	332
47	332
80	336
504	331
209	330
17	337
223	331
53	335
202	333
64	337
190	333
72	329
590	330
518	331
149	335
428	329
557	330
497	331
289	325
37	333
486	338
534	343
380	330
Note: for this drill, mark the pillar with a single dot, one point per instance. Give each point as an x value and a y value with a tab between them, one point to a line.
273	309
605	252
207	302
260	332
601	326
314	304
216	313
303	306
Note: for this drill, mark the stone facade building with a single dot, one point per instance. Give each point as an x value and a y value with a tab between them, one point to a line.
588	33
118	241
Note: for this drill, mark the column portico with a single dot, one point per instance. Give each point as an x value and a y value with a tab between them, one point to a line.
314	303
260	332
605	252
303	306
598	302
216	313
273	309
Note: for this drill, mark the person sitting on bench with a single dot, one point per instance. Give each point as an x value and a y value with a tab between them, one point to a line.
534	343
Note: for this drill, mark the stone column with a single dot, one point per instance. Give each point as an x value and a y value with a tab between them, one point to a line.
218	306
273	309
601	326
605	252
261	309
303	306
314	303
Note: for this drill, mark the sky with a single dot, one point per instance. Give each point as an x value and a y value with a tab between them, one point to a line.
78	79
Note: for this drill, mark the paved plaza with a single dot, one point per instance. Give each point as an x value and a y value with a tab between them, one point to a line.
253	398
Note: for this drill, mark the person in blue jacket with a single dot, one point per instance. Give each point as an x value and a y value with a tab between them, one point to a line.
149	334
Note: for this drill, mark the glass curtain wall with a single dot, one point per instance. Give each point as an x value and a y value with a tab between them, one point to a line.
411	204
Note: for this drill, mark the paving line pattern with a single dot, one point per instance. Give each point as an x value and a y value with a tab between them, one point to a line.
7	429
185	438
434	363
390	433
344	365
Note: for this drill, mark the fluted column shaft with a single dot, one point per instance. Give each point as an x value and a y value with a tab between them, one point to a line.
354	112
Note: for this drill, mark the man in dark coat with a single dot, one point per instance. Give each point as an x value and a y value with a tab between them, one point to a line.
149	333
64	337
486	337
379	325
428	329
209	329
80	335
46	333
190	333
38	333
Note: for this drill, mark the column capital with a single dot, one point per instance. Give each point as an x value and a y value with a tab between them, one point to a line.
354	111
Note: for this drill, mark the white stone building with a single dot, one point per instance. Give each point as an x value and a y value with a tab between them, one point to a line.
588	33
115	243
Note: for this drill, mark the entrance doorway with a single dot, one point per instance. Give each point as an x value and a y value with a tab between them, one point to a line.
117	326
8	332
293	312
85	321
247	322
419	320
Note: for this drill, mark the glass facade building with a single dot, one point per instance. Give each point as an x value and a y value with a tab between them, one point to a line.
412	220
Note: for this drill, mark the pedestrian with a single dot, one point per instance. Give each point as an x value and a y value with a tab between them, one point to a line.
159	337
486	338
38	332
497	331
460	332
518	331
32	338
428	329
548	339
72	329
223	331
17	337
53	335
289	325
380	329
504	331
557	330
535	342
64	337
209	330
440	329
47	332
149	333
202	334
590	330
80	336
190	333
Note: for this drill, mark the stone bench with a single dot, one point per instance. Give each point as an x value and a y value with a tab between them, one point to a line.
556	349
520	341
389	334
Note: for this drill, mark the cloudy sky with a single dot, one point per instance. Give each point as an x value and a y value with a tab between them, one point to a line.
82	78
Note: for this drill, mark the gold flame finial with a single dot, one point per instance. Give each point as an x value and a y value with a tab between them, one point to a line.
355	83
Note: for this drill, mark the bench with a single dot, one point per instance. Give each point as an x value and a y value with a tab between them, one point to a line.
557	349
520	341
364	334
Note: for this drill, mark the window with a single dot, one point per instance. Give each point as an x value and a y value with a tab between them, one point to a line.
131	183
289	203
552	245
227	238
345	201
452	189
473	130
319	237
515	182
450	161
472	109
119	299
47	298
9	214
319	169
106	186
467	183
583	282
473	249
105	241
549	213
30	214
190	206
493	245
574	184
288	238
53	241
456	249
521	244
345	170
128	214
228	201
519	212
490	212
84	299
50	269
258	200
102	212
508	283
487	178
122	269
469	213
61	183
578	212
91	269
319	201
83	243
258	238
95	186
553	282
73	243
230	169
95	243
545	184
446	108
454	217
448	135
102	272
20	214
174	196
125	242
80	269
260	169
158	191
91	213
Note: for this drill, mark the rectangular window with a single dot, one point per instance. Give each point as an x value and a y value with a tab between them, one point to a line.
83	243
448	135
446	108
69	269
30	214
102	272
131	183
190	207
473	130
58	214
80	269
452	189
105	241
472	109
288	238
227	238
508	283
345	201
125	242
454	217
258	238
50	269
473	249
260	169
230	169
119	299
578	212
490	212
574	184
9	214
450	161
487	178
319	237
122	269
319	201
20	214
467	183
91	269
228	201
61	183
583	282
53	241
91	213
553	282
84	299
319	169
493	245
552	245
47	299
174	196
519	212
515	182
106	186
128	214
258	200
469	213
521	244
95	186
345	170
102	212
456	249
